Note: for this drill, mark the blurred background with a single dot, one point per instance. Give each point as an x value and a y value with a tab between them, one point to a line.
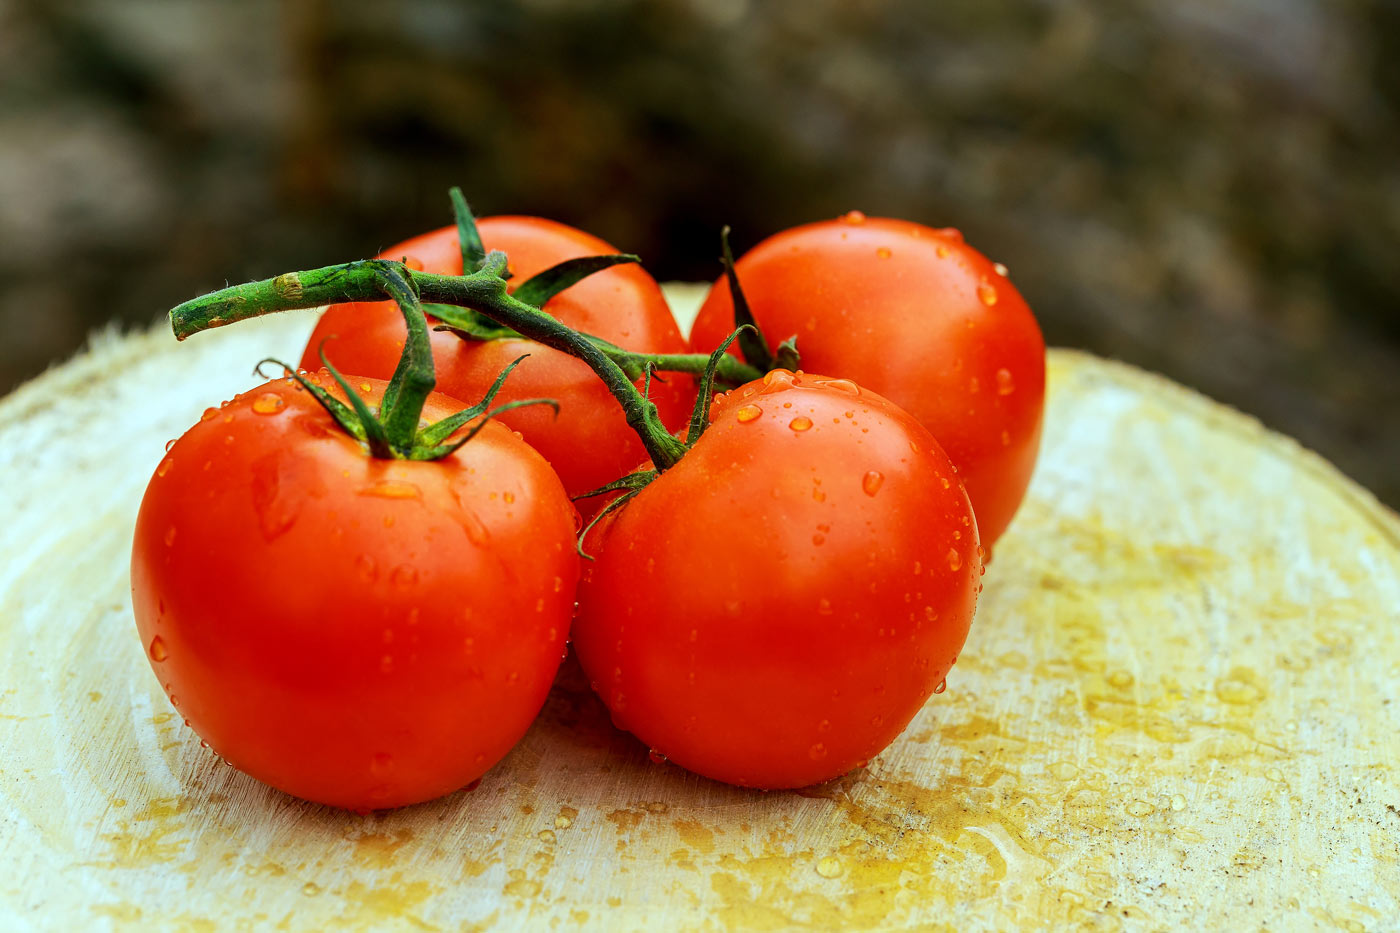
1206	188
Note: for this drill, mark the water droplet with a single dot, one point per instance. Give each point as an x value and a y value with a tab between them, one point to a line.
800	423
930	614
1000	269
987	293
942	686
884	252
404	575
208	414
855	218
1005	383
508	497
165	465
365	569
269	403
943	251
817	752
819	539
311	889
1005	438
170	536
391	489
656	757
954	559
1140	808
829	867
824	725
842	385
871	482
747	413
158	651
974	385
776	380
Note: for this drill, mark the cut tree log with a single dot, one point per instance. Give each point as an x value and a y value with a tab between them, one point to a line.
1176	710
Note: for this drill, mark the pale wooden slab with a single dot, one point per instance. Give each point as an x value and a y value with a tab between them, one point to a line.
1176	710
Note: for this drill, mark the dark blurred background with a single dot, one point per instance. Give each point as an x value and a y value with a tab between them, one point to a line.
1207	188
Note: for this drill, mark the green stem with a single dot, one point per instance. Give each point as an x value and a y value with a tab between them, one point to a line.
483	291
731	370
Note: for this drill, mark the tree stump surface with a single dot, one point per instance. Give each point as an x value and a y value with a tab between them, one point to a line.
1176	709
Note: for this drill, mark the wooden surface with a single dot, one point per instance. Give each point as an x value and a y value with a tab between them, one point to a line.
1176	710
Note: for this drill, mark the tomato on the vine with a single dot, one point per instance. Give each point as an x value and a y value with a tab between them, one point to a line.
589	443
774	608
356	631
919	316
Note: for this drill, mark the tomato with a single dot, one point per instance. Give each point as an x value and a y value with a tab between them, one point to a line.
922	318
589	442
358	632
773	609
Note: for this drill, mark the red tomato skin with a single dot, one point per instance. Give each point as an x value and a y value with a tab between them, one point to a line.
356	632
903	309
589	443
774	609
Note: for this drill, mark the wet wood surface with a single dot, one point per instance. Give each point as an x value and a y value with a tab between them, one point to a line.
1176	710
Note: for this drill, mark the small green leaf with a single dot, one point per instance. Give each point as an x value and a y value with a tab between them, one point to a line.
538	289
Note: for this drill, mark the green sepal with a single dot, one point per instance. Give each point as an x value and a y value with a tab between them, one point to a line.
632	482
468	237
343	414
538	289
753	344
374	434
786	356
442	450
700	415
437	433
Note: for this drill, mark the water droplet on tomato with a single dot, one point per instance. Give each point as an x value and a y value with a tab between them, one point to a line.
269	403
987	293
942	686
508	497
776	380
747	413
656	757
871	482
974	385
842	385
855	218
404	575
391	489
1000	269
824	725
1005	438
365	569
944	481
1005	383
170	536
208	413
930	613
817	752
165	466
158	651
800	423
954	559
884	252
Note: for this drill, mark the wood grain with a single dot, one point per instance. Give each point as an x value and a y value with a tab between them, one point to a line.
1176	710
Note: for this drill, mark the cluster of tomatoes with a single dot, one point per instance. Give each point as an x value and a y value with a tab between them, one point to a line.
769	604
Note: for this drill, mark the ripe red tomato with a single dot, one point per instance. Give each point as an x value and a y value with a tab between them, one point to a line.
358	632
922	318
774	609
589	443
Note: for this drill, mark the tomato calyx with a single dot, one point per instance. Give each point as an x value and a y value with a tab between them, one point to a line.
470	324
